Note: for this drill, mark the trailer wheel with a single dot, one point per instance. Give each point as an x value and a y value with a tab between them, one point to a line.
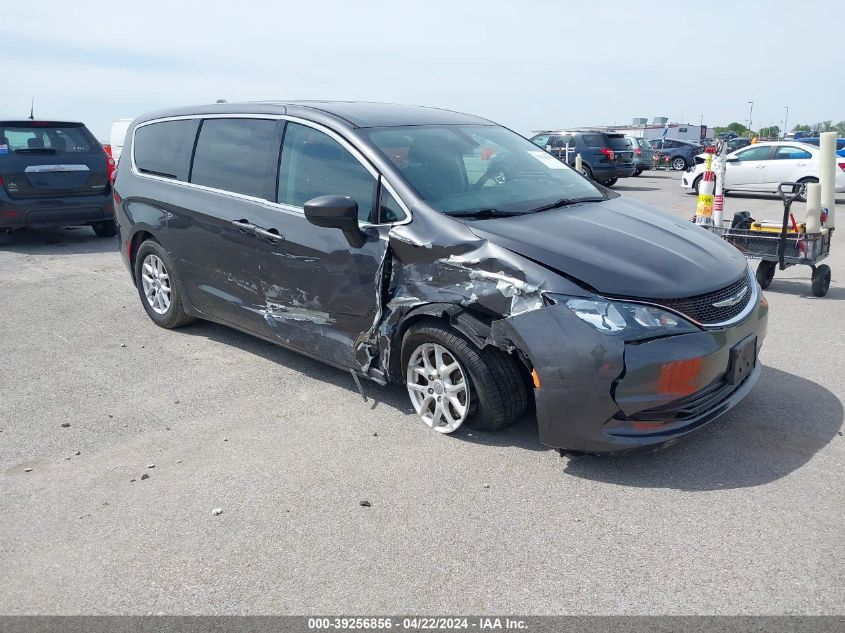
765	273
821	280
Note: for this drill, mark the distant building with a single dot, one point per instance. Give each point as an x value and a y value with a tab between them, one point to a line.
642	129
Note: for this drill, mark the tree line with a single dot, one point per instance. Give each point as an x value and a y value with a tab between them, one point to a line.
774	131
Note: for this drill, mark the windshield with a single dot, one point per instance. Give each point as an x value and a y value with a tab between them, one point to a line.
483	169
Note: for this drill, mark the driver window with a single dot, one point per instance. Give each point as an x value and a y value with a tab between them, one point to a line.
755	153
314	164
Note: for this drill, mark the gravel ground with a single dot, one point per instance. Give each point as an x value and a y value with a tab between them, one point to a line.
744	517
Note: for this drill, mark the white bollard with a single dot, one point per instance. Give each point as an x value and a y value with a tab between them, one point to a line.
827	175
719	198
814	193
578	164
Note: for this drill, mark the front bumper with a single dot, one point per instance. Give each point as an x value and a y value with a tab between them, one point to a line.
599	394
687	178
67	211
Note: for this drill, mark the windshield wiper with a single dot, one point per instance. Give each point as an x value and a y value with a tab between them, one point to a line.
563	202
482	213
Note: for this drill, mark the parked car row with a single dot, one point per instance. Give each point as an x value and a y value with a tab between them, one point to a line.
763	166
605	156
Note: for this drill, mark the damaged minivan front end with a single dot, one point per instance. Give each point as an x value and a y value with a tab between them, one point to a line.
443	252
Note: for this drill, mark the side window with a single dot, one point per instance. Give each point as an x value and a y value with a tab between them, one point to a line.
541	141
314	164
791	153
389	209
164	149
235	155
754	153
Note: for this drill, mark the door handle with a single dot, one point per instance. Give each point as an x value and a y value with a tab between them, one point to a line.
244	226
271	235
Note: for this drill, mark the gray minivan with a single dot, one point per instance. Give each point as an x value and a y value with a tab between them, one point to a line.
380	239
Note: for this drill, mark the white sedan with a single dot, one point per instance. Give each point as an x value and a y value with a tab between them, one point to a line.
762	167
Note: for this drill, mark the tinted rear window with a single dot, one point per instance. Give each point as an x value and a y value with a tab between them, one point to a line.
617	142
164	149
47	138
235	155
594	140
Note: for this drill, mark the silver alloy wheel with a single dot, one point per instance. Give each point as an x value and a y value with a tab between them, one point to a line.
156	284
438	387
678	164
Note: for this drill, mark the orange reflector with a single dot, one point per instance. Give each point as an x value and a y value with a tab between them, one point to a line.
536	378
678	378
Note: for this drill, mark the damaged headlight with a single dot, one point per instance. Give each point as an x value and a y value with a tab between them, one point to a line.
631	321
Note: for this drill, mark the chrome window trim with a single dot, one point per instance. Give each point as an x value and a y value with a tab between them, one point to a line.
287	208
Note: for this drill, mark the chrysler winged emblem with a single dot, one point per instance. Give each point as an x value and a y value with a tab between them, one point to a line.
731	301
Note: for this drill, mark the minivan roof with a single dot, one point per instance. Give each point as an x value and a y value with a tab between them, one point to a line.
357	114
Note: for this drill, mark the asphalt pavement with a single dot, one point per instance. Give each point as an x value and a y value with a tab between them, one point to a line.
745	516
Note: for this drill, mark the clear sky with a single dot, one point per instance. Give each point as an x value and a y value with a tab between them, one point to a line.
525	64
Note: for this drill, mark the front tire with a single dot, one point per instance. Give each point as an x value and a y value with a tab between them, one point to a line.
159	286
451	382
106	228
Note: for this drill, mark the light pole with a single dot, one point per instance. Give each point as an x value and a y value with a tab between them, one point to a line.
785	119
750	111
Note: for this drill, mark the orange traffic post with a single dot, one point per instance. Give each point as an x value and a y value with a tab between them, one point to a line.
706	188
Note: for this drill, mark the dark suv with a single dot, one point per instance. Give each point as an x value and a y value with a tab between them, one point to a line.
53	173
605	156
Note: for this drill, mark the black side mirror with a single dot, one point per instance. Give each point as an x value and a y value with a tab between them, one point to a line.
732	160
336	212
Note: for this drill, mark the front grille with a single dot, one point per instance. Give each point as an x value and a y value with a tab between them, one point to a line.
701	309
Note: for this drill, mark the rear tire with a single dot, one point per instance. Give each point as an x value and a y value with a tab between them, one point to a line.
638	171
497	392
586	171
802	192
679	163
821	280
610	182
765	273
106	228
156	278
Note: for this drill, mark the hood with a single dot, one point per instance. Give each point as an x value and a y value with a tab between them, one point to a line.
620	247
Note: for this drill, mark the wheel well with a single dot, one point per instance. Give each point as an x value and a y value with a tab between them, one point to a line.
139	238
473	326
